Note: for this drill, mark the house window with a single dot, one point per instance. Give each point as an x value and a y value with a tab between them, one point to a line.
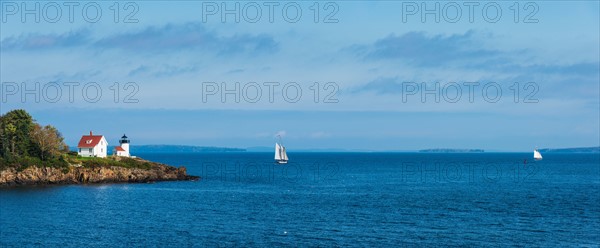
90	150
79	149
101	149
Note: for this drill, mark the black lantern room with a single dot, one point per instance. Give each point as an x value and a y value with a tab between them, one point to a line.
124	140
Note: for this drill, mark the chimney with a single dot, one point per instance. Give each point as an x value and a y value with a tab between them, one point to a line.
91	133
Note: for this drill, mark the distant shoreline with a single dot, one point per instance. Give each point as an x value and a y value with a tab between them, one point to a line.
571	150
204	149
146	149
447	150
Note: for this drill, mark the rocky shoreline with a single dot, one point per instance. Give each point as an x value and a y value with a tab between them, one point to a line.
34	175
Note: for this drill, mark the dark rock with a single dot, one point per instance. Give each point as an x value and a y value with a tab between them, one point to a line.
80	175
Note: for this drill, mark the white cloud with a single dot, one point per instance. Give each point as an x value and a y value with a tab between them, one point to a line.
281	133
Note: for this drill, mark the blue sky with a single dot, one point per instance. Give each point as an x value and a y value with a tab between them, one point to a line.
372	65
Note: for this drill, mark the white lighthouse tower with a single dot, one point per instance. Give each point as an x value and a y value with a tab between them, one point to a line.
123	149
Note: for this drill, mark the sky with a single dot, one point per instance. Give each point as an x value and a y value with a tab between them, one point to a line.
364	75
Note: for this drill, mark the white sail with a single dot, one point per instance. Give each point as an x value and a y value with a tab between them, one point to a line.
284	153
537	155
280	154
277	151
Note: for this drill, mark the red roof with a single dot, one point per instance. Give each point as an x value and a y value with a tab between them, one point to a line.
89	141
119	149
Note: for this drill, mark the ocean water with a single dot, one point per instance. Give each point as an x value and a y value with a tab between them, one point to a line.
322	199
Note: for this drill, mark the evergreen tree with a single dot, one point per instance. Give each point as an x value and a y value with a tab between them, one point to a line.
15	135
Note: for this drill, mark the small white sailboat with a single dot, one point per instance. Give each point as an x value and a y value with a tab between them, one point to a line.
536	154
280	154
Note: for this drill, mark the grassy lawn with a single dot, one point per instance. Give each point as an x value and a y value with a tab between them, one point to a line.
111	161
71	159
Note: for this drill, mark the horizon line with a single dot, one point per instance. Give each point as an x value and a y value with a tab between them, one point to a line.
347	150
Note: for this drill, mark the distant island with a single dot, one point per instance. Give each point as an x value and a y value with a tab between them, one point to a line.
183	149
595	149
32	154
448	150
316	150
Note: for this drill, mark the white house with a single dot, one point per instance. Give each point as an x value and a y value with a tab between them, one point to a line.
92	146
123	149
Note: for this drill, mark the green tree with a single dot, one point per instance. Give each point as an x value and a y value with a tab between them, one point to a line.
3	140
48	142
16	127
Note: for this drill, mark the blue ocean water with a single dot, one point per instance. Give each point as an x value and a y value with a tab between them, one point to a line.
322	199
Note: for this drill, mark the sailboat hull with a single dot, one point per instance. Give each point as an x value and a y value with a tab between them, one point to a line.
281	161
